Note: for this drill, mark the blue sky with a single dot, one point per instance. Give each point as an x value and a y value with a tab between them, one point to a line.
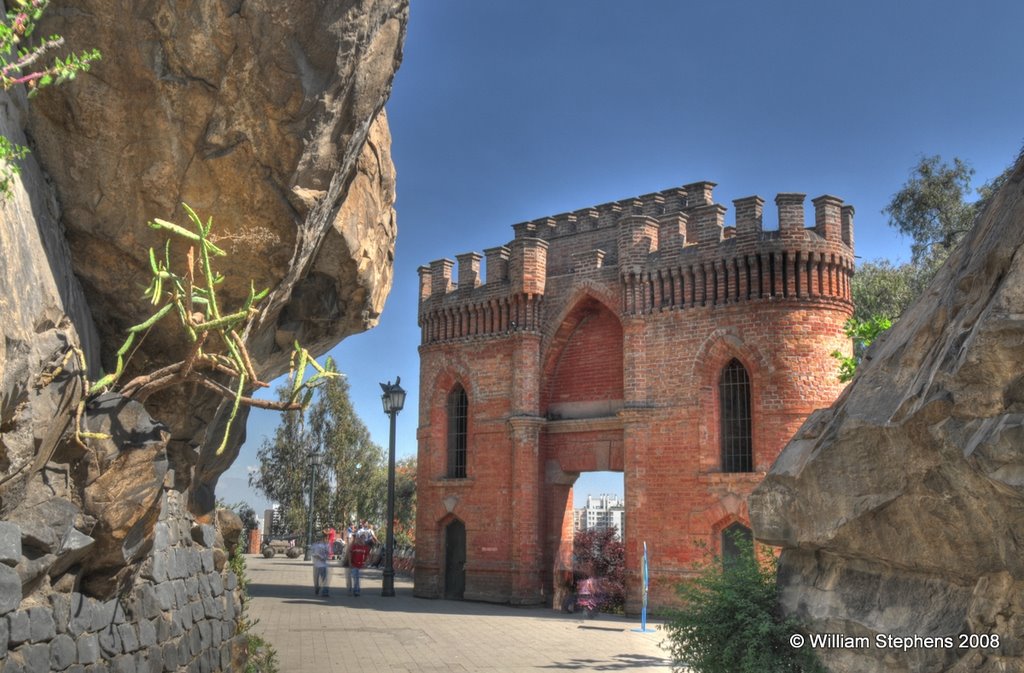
505	112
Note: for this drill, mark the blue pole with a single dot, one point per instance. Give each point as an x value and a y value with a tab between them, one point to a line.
646	581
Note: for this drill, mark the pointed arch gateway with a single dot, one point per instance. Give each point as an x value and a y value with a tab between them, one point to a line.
582	393
583	369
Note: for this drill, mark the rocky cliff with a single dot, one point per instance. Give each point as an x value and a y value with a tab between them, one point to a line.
900	509
267	117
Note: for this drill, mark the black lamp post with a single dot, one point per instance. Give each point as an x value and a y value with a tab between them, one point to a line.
313	460
393	399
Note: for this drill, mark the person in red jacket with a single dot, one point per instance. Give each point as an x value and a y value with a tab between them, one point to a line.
331	534
357	552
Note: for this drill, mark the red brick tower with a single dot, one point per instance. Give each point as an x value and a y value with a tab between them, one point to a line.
641	336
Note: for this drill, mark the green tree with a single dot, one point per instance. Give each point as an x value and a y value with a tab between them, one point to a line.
282	473
931	207
863	333
355	464
351	482
405	501
882	289
731	622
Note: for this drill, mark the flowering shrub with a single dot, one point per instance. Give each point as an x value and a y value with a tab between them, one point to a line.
600	552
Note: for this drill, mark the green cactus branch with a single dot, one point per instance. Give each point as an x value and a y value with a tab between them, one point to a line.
220	364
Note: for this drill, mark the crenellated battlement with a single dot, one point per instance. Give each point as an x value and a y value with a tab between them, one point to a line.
667	250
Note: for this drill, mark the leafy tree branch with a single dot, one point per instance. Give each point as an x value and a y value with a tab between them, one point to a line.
22	61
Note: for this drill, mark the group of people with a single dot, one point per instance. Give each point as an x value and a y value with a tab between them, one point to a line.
356	552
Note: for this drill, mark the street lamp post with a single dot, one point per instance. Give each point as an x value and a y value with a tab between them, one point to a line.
313	460
393	399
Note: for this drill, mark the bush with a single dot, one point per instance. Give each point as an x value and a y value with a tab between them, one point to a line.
731	622
602	552
262	657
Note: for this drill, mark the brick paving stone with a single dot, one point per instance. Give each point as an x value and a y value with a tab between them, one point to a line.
369	634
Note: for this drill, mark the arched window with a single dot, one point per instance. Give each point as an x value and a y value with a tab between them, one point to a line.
734	411
734	537
458	416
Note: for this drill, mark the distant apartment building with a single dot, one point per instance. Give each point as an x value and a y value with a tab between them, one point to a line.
601	513
273	522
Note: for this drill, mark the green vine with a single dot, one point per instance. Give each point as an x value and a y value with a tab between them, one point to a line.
20	64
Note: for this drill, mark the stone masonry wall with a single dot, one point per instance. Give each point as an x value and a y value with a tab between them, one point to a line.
180	615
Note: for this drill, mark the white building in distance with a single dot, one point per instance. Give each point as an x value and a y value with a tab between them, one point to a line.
601	513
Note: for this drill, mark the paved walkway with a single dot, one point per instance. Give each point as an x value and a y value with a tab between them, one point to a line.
370	634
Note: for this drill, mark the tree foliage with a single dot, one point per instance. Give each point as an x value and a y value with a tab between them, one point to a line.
281	476
405	501
601	554
350	485
731	622
932	208
356	466
863	333
883	289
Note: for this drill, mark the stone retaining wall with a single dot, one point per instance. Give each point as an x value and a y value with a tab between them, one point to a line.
179	613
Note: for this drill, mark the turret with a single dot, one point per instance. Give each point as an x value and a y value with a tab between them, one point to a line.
497	264
469	270
708	222
827	217
847	220
441	276
791	215
528	262
638	237
749	217
425	282
699	193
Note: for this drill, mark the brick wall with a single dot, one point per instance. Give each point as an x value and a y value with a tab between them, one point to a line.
602	350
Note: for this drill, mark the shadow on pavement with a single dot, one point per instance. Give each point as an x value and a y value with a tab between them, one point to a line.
404	601
620	662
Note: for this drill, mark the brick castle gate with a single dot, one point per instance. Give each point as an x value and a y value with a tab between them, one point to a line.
641	336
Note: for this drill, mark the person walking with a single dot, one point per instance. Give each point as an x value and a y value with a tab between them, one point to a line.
321	577
369	538
331	533
356	553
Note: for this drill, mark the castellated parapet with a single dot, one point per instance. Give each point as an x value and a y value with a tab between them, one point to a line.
671	250
644	336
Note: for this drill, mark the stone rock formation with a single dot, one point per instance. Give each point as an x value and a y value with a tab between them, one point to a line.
899	509
267	117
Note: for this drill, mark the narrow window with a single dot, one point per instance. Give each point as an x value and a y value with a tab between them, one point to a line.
734	401
734	538
458	407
